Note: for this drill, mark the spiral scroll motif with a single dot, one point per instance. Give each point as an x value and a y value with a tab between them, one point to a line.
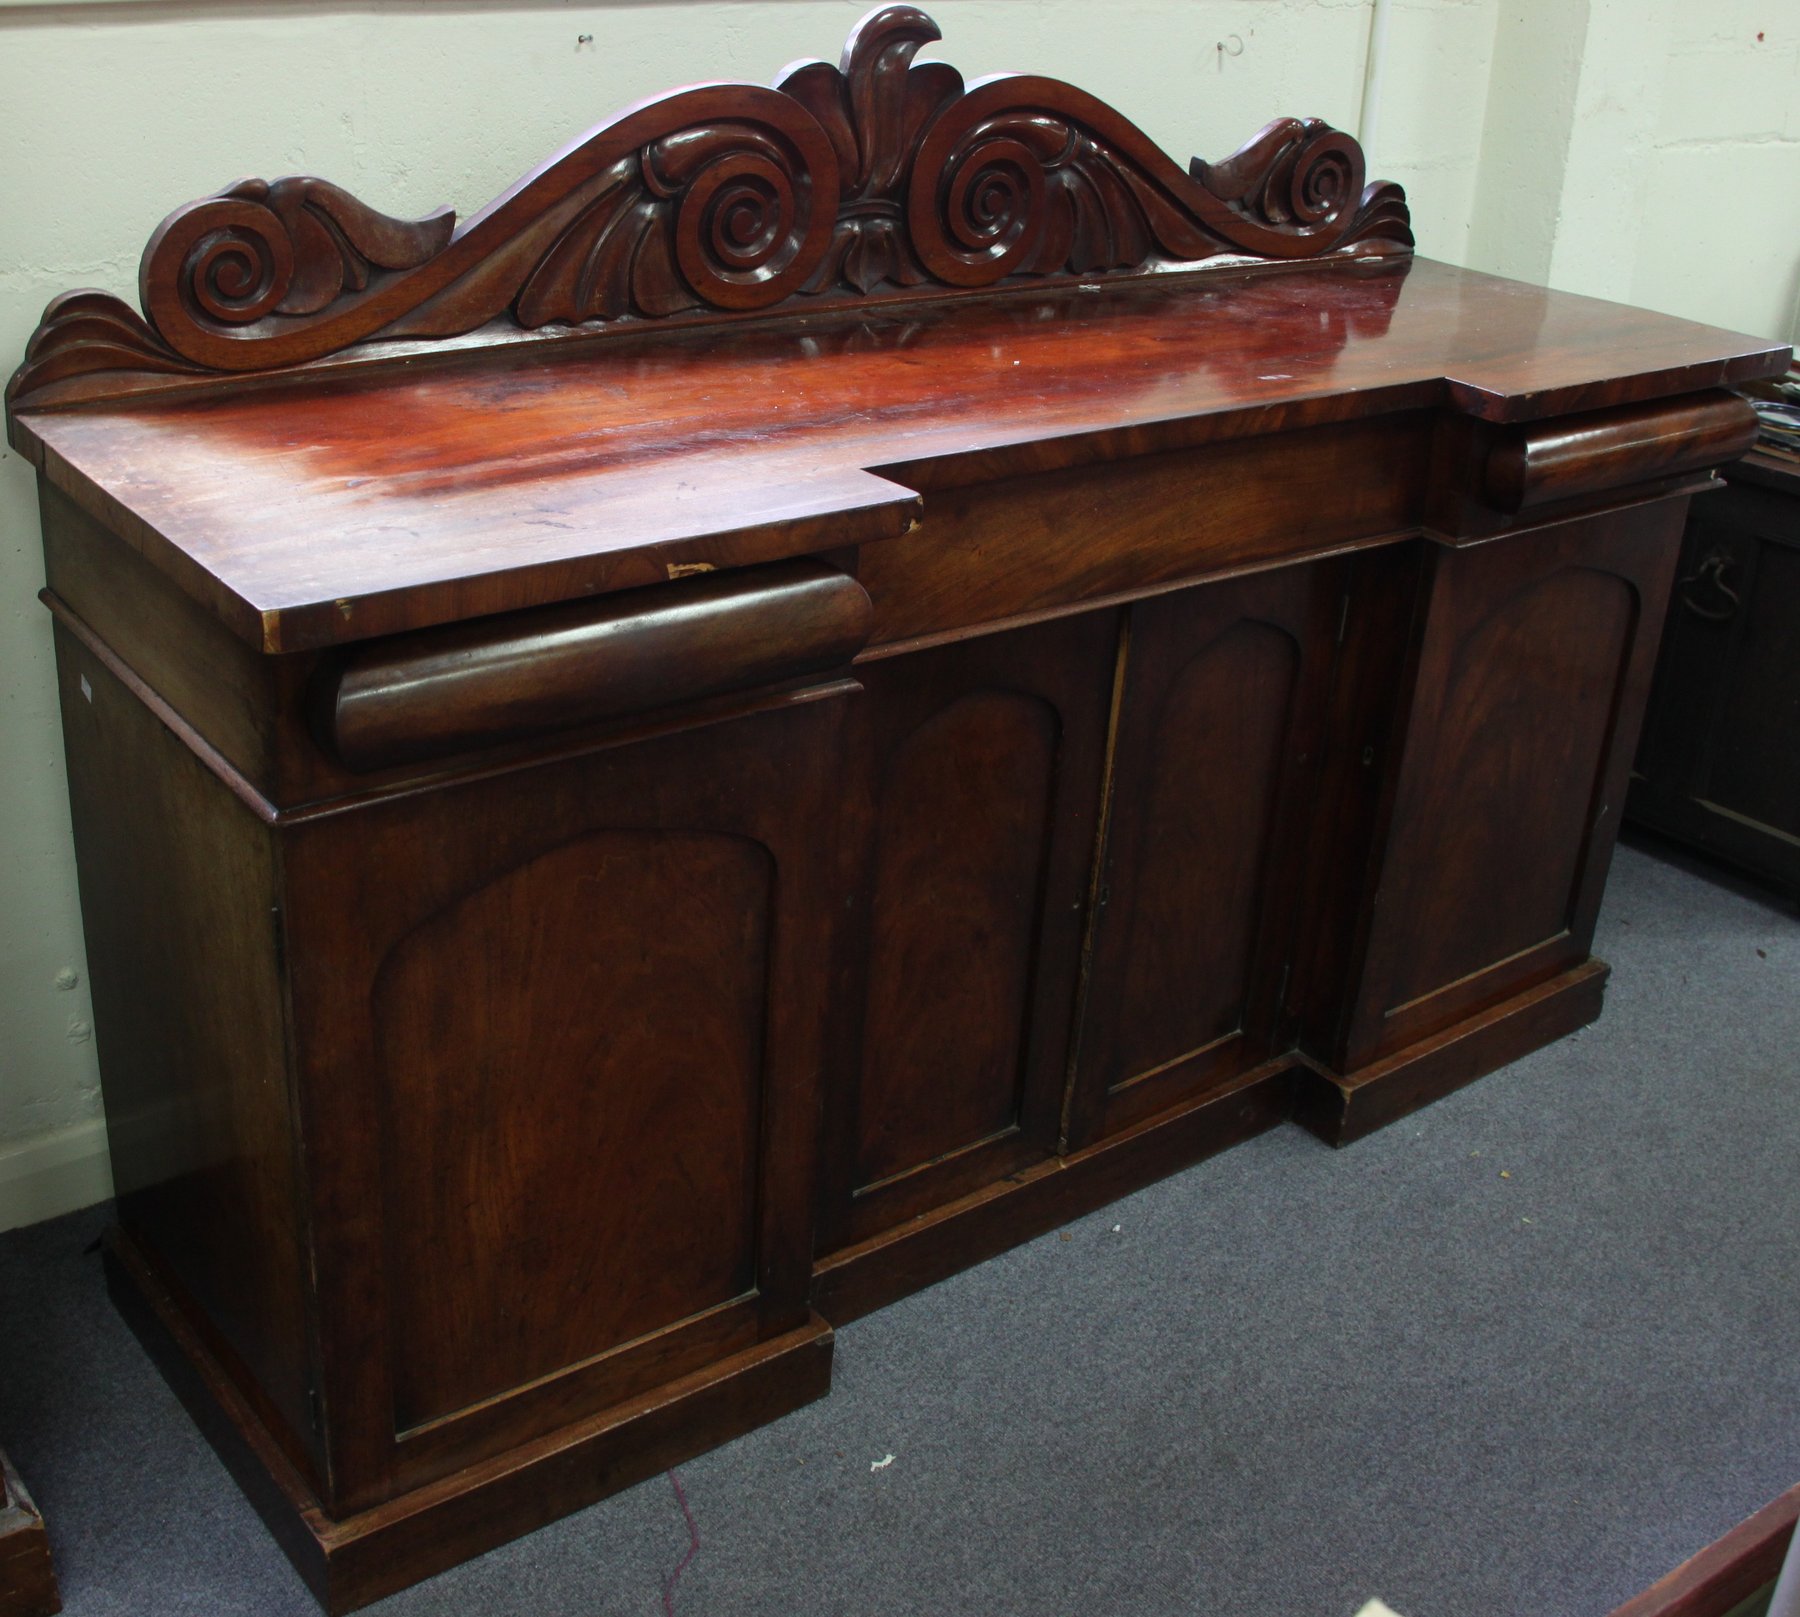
994	206
992	196
219	271
753	219
1035	176
237	262
1319	180
871	178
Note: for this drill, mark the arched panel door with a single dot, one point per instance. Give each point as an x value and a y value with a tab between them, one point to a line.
533	1035
1218	734
1531	682
978	784
571	1031
962	834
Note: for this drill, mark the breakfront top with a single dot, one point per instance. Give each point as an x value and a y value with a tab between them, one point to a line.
740	323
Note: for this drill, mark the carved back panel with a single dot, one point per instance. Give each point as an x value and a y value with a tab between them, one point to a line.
878	178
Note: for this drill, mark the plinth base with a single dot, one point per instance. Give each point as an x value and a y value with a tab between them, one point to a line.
352	1561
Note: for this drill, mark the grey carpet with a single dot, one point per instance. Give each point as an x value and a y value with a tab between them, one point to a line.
1520	1354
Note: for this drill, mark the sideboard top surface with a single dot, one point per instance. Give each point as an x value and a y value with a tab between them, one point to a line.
329	507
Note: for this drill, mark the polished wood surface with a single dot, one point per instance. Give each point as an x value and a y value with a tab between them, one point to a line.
604	852
448	690
972	815
1541	465
349	1560
645	940
1533	670
1191	923
185	953
494	486
1342	1107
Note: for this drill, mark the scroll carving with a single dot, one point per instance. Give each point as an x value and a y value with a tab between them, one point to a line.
875	178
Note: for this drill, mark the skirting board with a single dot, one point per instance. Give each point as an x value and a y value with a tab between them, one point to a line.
859	1279
54	1174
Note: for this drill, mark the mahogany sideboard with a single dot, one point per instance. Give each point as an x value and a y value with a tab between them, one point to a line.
847	671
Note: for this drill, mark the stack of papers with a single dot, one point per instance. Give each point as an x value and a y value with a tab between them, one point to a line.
1777	406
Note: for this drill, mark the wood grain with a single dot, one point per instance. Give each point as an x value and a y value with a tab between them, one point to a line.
972	809
596	847
185	953
455	689
1530	686
897	1261
349	1561
1218	732
1587	453
598	468
1341	1108
482	1302
494	1012
839	183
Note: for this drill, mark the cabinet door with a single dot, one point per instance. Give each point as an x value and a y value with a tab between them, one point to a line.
560	1032
1532	671
979	774
1218	734
1719	765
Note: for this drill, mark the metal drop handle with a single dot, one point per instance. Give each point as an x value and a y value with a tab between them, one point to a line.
1712	572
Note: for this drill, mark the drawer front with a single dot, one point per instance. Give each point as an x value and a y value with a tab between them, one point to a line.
447	690
988	552
1608	449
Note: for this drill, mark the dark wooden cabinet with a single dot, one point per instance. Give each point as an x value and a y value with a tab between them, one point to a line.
958	667
1719	766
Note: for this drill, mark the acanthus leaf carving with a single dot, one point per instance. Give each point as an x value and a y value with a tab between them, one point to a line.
874	177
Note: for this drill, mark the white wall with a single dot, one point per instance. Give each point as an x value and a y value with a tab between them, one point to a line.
1647	151
113	113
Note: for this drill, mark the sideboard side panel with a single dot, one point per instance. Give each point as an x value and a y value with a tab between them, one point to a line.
180	905
221	688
